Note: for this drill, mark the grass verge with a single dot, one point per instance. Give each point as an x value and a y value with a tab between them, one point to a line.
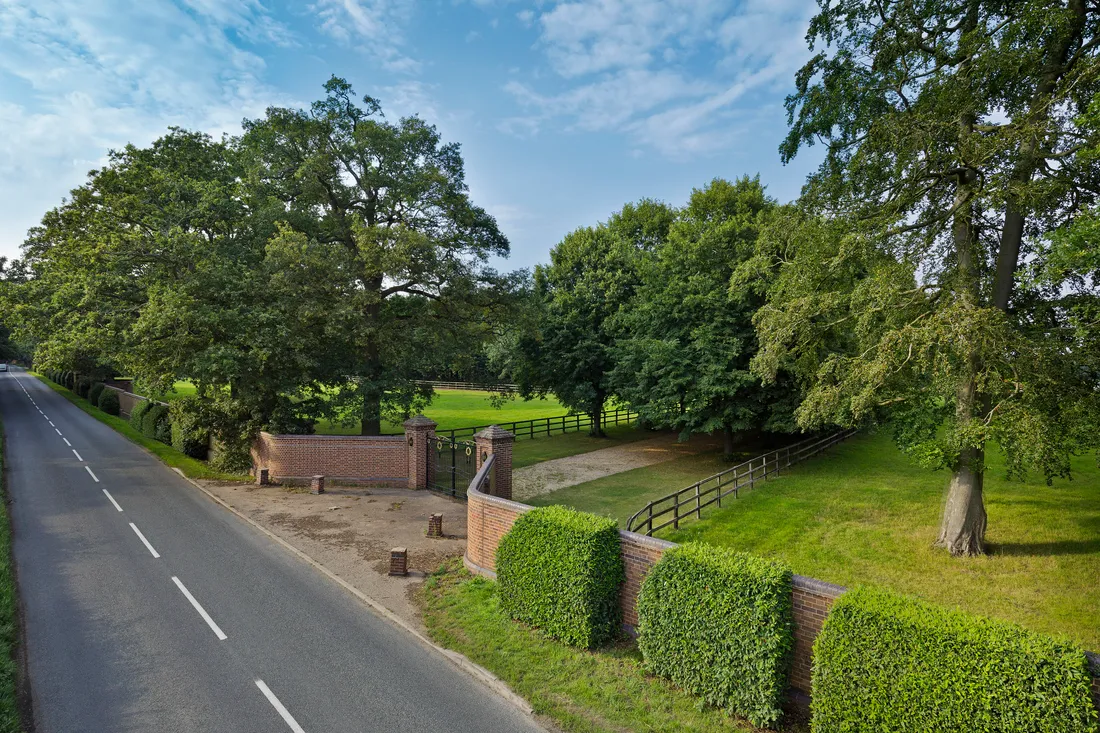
602	690
10	712
191	467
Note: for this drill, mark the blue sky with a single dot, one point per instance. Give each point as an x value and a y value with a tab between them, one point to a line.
564	110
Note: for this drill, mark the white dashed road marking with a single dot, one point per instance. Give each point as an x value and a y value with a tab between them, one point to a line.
283	712
108	493
89	470
77	456
144	541
202	612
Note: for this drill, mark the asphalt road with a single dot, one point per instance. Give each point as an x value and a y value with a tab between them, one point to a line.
150	608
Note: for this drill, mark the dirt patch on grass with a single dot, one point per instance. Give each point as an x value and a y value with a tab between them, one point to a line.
351	531
542	478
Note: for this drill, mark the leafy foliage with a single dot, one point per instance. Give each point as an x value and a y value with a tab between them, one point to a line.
94	392
137	414
156	423
560	570
190	434
108	402
719	624
889	662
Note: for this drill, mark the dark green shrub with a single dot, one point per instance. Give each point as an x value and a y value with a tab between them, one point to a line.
138	413
156	424
560	570
718	623
83	385
108	401
94	392
68	380
190	434
887	662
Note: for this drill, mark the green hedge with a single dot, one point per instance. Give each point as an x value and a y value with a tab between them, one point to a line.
190	435
138	413
560	570
888	662
108	402
156	424
94	392
718	623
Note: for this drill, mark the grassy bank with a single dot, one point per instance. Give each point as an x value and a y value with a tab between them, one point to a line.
535	450
603	690
191	467
863	513
10	720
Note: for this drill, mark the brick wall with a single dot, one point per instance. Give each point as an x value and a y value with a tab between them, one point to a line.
126	400
365	459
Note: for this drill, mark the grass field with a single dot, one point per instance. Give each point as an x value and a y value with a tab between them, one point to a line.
602	690
10	719
863	513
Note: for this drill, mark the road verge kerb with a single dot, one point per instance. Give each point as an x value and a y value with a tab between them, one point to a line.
477	672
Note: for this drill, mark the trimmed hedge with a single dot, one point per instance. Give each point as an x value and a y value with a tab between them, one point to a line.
884	661
138	413
719	623
189	435
560	570
108	402
155	423
83	386
94	392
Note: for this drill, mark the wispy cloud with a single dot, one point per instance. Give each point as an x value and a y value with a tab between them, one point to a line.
673	75
83	77
374	26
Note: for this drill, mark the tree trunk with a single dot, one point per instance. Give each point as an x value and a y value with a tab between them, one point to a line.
371	386
727	449
962	530
597	417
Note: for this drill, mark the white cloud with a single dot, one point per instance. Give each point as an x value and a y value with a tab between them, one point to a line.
672	75
373	26
80	78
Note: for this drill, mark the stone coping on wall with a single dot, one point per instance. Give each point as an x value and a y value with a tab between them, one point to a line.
285	437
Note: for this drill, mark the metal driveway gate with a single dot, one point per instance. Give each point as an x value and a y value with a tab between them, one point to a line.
455	465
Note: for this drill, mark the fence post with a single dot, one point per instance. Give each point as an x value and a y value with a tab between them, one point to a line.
698	508
419	434
495	441
676	512
649	521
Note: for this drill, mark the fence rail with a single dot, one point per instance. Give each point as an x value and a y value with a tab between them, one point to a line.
548	425
467	385
713	489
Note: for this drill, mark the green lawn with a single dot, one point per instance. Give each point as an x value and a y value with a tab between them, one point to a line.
602	690
863	513
10	719
461	408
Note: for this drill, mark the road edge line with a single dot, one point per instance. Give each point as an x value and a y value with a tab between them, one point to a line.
460	661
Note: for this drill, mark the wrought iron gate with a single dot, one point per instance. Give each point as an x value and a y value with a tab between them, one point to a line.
455	465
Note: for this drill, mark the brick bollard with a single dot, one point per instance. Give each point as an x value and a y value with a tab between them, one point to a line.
399	561
435	525
317	485
495	441
263	477
419	434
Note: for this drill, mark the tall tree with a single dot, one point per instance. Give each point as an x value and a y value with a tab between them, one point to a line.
391	200
953	134
569	346
685	341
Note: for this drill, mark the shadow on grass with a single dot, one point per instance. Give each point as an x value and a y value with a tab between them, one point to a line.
1063	547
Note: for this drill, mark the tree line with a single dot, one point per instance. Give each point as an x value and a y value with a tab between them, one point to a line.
939	276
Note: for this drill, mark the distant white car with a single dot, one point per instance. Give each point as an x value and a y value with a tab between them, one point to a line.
3	367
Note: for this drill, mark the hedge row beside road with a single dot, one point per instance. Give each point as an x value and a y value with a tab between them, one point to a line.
884	661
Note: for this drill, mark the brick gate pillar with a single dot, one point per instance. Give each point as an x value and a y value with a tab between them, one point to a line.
494	441
419	434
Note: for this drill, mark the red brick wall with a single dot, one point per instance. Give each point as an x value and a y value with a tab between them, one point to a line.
488	518
381	459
